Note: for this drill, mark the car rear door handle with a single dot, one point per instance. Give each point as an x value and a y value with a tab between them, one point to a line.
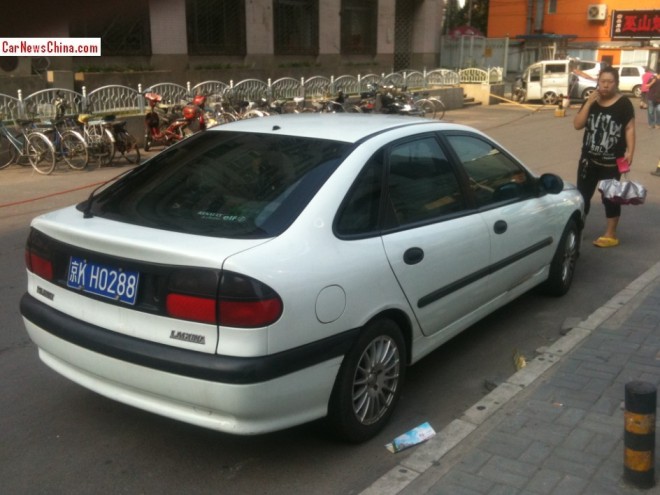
500	227
412	256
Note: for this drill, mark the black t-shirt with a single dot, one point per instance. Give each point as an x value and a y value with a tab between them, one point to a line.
605	132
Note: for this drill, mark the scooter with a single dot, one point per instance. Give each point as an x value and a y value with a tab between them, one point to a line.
398	102
195	115
367	102
161	124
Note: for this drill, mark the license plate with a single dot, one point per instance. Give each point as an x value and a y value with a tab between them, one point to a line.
107	281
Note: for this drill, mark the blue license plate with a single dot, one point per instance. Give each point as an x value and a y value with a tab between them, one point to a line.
112	282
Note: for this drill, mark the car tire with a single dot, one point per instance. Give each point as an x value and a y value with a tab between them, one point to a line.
637	91
550	98
369	382
562	267
587	92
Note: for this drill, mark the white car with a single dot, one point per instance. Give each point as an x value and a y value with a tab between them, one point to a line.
273	271
630	78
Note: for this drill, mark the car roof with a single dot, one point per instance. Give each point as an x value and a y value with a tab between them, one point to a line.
347	127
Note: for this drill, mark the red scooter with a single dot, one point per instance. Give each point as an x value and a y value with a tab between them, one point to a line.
194	113
162	124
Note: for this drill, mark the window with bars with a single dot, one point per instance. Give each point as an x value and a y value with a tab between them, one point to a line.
123	26
358	27
216	27
296	26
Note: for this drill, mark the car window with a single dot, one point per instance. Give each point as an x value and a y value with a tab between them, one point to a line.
555	68
535	74
587	66
494	177
224	184
629	71
421	184
360	211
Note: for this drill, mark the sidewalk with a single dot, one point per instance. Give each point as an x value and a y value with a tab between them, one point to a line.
556	426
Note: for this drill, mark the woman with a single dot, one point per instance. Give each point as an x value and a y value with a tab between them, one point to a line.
646	78
608	119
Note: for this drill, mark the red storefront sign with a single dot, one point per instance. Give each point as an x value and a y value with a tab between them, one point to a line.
637	24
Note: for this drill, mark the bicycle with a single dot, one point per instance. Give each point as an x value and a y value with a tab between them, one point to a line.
432	106
68	143
99	140
26	143
336	105
125	143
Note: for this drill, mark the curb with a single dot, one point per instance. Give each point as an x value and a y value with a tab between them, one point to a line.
433	450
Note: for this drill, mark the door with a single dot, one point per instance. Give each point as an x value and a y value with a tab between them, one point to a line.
506	196
437	246
534	82
555	77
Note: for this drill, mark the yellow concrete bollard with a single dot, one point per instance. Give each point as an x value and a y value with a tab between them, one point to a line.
639	435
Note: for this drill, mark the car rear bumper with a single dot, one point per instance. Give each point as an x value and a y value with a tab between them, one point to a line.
235	395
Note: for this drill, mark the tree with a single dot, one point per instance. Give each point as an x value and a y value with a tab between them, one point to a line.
452	17
473	13
478	16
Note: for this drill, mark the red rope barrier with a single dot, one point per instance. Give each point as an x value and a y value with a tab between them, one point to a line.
30	200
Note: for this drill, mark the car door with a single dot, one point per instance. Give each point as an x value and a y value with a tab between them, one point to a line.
534	84
522	224
437	246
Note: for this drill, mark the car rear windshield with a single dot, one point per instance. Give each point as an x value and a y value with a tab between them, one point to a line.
223	184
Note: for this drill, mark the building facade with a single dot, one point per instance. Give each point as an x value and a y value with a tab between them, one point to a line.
262	34
615	31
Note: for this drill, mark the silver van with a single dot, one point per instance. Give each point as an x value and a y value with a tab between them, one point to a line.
550	80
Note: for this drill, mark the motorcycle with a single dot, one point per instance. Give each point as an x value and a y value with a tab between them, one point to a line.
163	124
195	115
395	101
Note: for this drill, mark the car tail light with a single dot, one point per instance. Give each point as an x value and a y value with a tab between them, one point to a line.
226	299
246	302
38	256
192	295
193	308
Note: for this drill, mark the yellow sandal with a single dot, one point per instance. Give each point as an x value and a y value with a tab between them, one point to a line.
606	242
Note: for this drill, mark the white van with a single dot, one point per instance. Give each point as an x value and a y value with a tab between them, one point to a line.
548	80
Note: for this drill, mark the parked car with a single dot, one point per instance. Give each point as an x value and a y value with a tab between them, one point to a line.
550	80
630	78
273	271
630	81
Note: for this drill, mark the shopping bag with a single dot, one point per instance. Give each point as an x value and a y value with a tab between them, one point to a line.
623	192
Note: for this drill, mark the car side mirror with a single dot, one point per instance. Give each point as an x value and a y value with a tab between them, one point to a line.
551	183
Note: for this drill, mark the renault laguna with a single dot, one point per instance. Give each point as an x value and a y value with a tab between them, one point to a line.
274	271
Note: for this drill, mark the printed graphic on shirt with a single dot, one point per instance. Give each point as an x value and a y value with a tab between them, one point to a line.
603	134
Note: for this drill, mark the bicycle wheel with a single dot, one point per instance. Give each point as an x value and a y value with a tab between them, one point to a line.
426	107
41	153
7	152
254	113
439	108
74	150
101	146
226	117
108	147
352	108
129	147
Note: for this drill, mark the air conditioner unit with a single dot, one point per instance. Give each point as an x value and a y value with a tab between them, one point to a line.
597	12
